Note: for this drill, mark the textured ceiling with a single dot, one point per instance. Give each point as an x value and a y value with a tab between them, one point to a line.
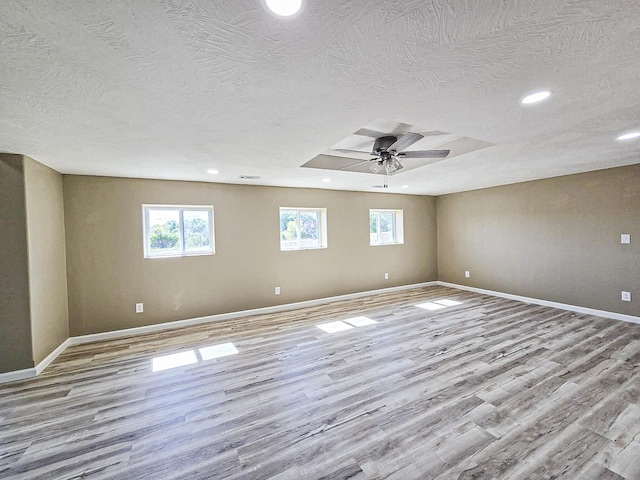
168	89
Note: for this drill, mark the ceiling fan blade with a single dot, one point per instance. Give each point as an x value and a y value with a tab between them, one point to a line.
365	132
424	154
351	151
356	164
405	141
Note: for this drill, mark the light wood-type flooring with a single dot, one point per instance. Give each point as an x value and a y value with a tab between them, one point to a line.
486	389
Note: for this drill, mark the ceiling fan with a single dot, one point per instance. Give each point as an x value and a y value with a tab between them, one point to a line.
388	149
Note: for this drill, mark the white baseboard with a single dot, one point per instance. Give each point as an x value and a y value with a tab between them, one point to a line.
546	303
37	370
52	356
128	332
17	375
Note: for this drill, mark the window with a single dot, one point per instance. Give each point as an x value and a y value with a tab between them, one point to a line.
385	227
303	228
171	230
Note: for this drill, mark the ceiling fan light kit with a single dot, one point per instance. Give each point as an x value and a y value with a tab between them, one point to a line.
392	165
386	152
376	167
386	147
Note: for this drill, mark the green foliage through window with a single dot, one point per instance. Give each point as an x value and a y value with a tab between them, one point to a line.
385	227
178	230
164	236
302	228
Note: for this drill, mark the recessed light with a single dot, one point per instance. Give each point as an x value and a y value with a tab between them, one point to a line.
284	8
213	171
404	186
326	180
536	97
629	136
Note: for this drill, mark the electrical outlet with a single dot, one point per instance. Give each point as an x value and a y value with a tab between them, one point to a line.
626	296
386	276
277	290
467	274
625	238
139	307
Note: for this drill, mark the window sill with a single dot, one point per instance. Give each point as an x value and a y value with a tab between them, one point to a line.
301	249
179	255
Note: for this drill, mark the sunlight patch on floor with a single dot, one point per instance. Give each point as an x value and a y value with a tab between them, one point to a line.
333	327
438	304
447	303
360	321
174	360
347	324
180	359
217	351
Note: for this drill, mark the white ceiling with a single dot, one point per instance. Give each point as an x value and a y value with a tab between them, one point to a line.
171	88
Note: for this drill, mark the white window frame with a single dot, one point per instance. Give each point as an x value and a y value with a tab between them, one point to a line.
146	208
321	227
398	226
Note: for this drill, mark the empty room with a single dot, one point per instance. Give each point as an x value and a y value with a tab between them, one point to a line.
318	239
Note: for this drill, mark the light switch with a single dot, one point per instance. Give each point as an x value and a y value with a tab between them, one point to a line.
626	296
625	238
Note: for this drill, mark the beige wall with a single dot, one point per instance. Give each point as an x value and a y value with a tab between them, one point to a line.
15	328
47	258
556	239
108	274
